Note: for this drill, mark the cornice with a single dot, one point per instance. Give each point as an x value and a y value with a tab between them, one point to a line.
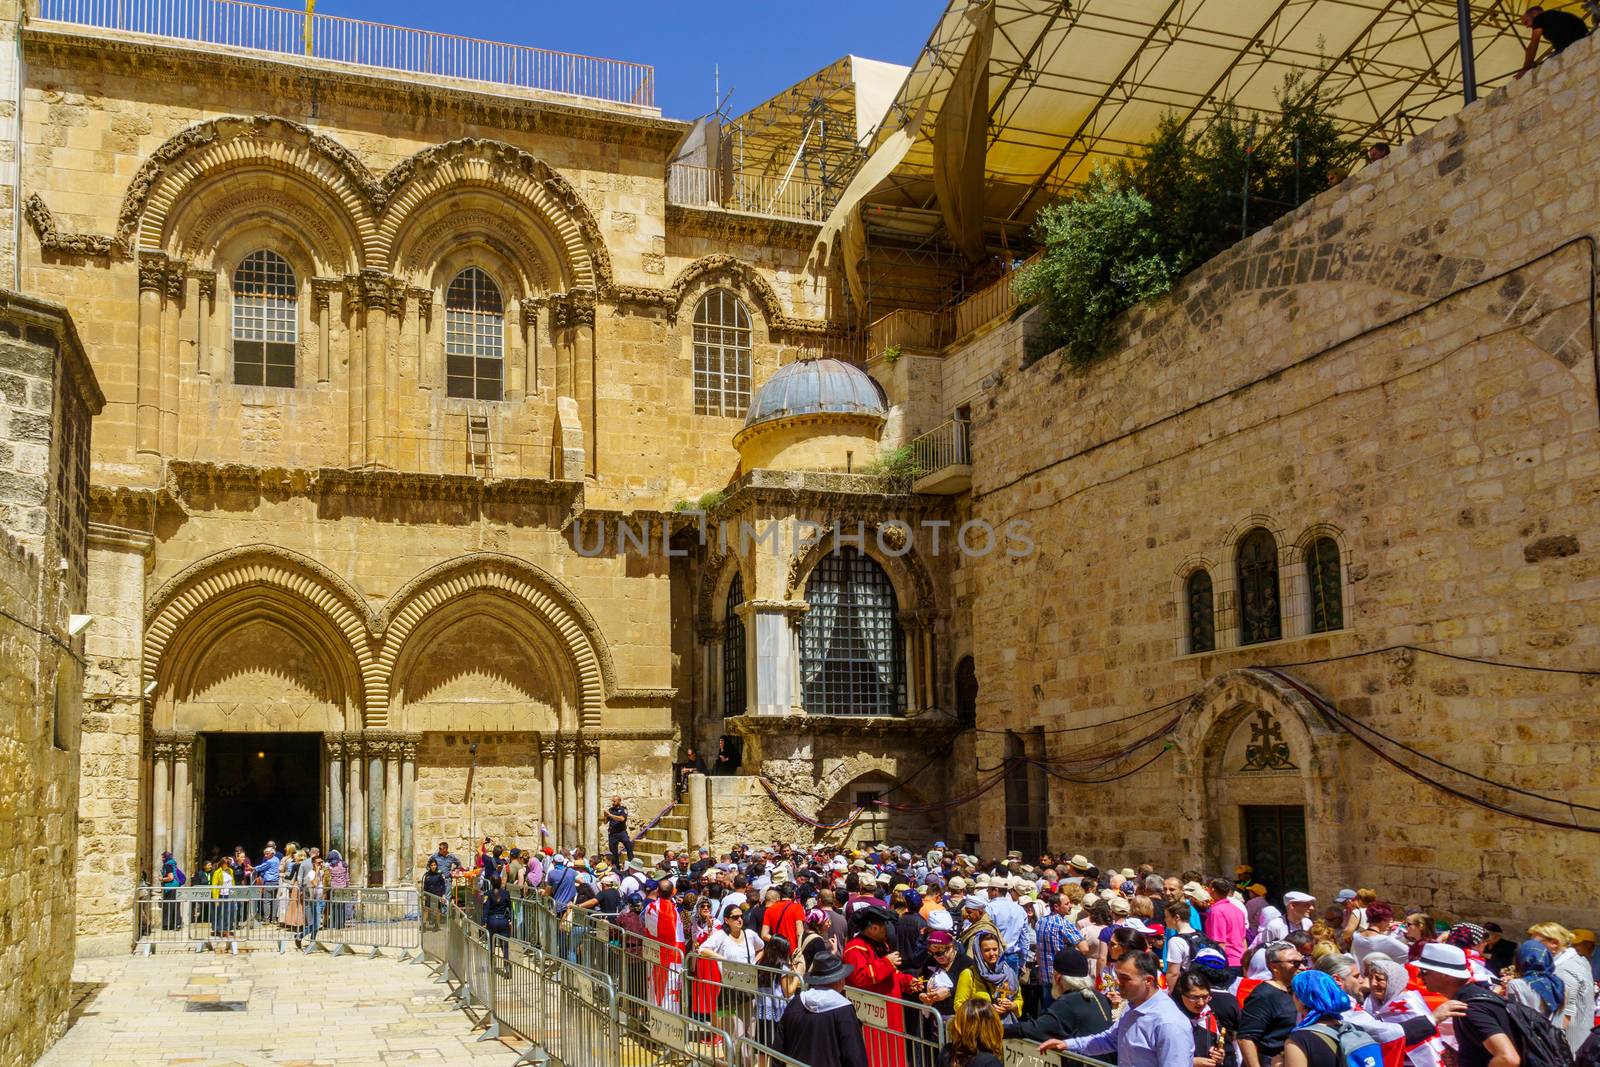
853	495
388	92
930	728
185	477
735	226
51	239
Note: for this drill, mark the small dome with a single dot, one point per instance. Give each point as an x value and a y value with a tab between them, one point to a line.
815	386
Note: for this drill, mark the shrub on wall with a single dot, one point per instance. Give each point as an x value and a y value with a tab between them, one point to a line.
1130	232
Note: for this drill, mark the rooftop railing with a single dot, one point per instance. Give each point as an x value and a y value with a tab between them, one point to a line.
754	194
285	31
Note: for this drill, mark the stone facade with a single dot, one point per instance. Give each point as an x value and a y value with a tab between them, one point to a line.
1405	366
47	397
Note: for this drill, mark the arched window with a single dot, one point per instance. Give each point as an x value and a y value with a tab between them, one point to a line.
1201	610
852	652
266	321
1258	588
474	337
734	694
721	355
1322	574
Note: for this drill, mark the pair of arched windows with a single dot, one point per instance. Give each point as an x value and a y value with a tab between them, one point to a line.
1257	589
852	649
266	325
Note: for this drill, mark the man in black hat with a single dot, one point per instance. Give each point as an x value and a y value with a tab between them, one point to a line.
819	1027
1078	1009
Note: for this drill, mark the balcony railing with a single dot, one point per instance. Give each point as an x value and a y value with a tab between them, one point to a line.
908	328
941	447
285	31
754	194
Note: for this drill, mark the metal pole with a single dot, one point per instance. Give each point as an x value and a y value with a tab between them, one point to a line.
1469	73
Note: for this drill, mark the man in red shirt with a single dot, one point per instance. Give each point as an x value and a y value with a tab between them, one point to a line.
786	918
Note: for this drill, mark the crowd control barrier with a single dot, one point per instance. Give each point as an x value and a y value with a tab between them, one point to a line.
216	917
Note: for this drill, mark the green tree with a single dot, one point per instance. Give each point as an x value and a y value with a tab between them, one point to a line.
1101	255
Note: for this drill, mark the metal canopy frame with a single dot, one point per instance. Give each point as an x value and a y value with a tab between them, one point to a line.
1074	83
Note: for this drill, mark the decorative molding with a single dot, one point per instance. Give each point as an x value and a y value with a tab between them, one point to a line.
643	296
152	272
206	284
734	227
372	290
1267	750
424	299
547	749
322	290
569	310
51	239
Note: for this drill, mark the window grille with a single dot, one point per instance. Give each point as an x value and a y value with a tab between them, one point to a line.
721	355
474	337
734	695
1322	573
852	650
265	321
1259	604
1202	612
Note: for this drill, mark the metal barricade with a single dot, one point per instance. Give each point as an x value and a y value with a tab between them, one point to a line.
567	1011
228	916
652	1034
898	1032
374	919
432	934
743	999
1019	1053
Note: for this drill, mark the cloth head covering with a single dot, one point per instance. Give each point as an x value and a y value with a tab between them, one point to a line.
942	937
975	902
1002	975
941	920
1258	966
1320	995
1396	977
1466	935
1538	970
913	900
334	857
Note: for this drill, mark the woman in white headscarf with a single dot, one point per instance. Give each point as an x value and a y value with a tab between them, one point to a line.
1390	1001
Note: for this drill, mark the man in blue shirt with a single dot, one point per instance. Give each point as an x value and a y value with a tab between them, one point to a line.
448	863
1010	919
1056	932
267	873
1153	1032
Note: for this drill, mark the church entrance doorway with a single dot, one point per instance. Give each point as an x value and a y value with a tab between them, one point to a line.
261	787
1275	846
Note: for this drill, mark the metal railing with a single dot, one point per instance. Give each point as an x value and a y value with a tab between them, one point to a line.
941	447
202	916
755	194
286	31
590	993
463	455
909	328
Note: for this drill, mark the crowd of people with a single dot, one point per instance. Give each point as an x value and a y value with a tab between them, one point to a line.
290	891
1135	966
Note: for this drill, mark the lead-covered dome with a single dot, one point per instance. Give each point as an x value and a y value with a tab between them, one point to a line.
816	387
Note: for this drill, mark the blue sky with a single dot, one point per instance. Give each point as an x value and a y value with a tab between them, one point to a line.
762	46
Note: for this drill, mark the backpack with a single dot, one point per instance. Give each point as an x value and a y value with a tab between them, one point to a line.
1355	1046
1538	1041
177	872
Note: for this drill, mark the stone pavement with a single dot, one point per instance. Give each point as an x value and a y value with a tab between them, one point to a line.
262	1009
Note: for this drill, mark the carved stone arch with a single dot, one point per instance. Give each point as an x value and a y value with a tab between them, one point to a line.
213	215
331	606
1230	543
720	268
716	576
854	769
913	585
1299	577
511	172
1299	763
194	157
518	261
538	591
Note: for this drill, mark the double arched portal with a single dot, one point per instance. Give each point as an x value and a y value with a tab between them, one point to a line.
281	706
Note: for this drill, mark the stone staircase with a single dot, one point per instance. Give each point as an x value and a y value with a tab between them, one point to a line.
671	832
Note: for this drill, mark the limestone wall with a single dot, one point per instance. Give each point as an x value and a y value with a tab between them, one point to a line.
1406	365
47	397
132	190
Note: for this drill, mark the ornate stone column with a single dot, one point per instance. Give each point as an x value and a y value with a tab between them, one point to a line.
573	314
391	811
177	277
322	290
408	806
548	816
772	651
160	798
591	796
355	808
373	293
333	747
569	791
374	753
152	284
182	800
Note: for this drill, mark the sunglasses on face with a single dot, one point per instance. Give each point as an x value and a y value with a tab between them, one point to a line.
734	917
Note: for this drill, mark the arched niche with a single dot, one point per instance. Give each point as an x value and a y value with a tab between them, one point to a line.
483	664
915	829
265	208
1251	740
257	659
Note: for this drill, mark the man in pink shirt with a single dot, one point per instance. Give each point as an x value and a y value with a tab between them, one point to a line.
1225	921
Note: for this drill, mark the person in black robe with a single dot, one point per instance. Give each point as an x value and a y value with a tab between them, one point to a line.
1078	1010
819	1027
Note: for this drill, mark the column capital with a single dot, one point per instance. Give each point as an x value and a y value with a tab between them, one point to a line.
162	745
568	746
322	290
408	747
373	290
575	308
206	283
424	299
183	746
547	748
